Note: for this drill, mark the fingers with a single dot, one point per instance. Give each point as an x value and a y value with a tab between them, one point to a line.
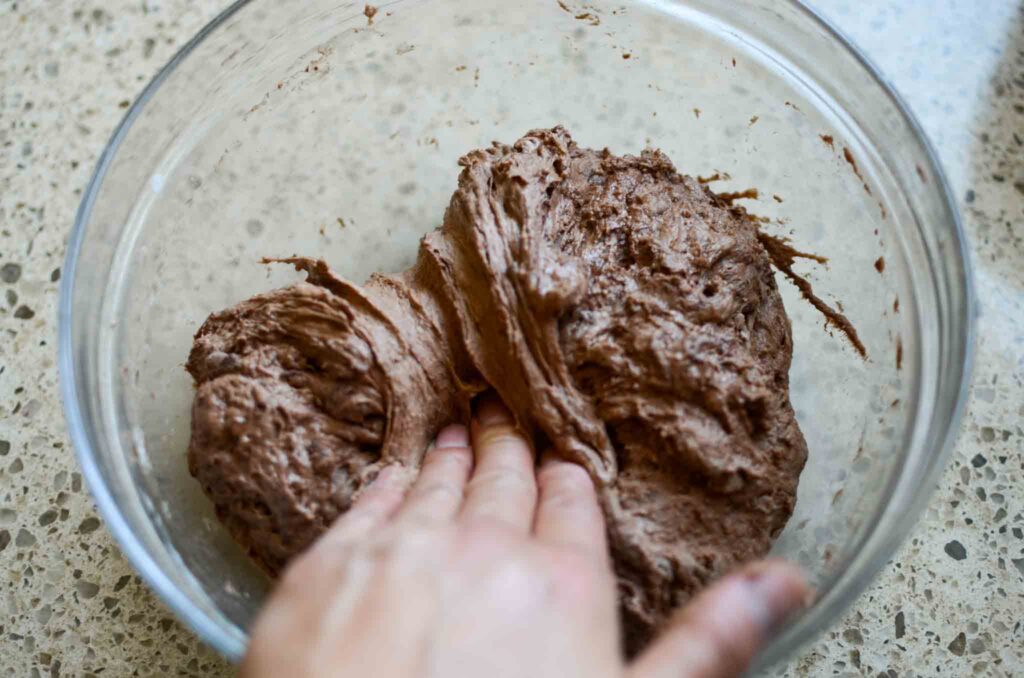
330	576
567	511
503	487
437	494
719	632
377	503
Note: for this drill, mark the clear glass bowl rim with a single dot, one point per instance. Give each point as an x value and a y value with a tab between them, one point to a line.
231	646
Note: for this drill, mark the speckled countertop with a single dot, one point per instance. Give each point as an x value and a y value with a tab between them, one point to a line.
950	603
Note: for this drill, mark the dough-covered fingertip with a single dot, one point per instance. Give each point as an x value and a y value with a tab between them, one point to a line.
491	411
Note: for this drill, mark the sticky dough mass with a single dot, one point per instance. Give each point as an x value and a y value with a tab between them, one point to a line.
627	315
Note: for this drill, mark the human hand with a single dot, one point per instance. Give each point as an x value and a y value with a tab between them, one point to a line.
489	567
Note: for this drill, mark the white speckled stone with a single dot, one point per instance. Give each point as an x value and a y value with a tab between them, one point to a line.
950	603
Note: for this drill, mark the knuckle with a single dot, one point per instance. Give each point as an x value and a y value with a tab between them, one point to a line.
568	505
440	492
411	550
502	481
567	477
500	436
461	456
491	511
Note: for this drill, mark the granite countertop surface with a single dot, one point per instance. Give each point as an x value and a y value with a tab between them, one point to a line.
951	602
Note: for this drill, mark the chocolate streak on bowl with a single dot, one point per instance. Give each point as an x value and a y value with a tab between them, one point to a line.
783	257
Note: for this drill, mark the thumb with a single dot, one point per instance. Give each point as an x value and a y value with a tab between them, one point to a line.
719	632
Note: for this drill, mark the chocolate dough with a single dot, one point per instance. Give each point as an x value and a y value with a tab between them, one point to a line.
627	315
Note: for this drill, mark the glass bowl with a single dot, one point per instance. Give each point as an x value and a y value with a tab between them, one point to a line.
310	128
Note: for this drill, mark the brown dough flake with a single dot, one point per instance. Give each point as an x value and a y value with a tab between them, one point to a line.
730	198
848	156
783	257
626	314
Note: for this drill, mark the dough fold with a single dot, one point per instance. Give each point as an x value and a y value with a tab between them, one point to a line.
627	315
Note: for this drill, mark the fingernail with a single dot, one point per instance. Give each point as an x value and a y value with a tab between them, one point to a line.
454	435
